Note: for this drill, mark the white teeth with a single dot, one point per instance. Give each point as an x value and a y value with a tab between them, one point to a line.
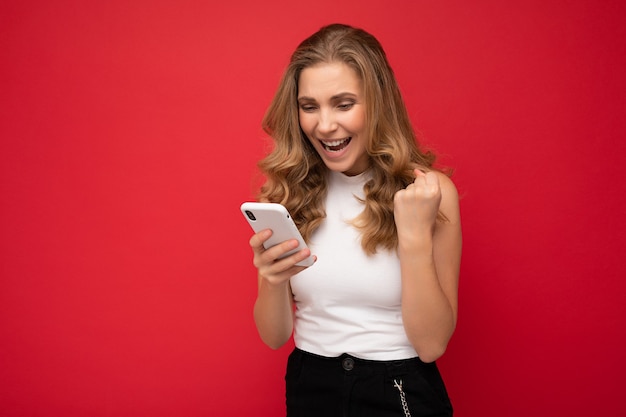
334	142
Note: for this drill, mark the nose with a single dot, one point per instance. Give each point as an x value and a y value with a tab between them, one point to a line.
327	122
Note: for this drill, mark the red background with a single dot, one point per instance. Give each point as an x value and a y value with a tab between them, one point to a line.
129	136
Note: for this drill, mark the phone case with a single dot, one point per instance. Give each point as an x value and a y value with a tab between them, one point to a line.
274	216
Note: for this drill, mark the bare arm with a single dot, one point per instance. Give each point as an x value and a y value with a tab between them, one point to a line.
430	255
273	309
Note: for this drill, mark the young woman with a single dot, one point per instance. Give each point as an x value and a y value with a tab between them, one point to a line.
379	305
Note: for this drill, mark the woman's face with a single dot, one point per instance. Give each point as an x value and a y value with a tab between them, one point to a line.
332	115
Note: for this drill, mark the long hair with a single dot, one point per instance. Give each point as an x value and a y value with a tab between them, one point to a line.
296	175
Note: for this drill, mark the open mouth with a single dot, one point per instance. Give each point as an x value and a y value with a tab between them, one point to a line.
335	145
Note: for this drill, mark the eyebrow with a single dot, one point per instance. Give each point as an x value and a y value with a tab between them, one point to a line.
338	96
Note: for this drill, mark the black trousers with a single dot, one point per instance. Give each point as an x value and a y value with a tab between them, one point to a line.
346	386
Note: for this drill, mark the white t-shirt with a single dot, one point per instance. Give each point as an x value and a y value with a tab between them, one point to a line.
348	302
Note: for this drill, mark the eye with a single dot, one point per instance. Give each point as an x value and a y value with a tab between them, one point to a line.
307	108
346	105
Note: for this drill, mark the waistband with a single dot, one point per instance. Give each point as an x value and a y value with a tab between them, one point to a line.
354	365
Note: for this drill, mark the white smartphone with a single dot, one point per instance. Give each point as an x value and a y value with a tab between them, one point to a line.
276	217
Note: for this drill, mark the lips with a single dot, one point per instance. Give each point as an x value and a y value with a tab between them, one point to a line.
335	145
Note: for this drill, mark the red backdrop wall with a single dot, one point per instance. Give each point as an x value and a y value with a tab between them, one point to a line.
129	136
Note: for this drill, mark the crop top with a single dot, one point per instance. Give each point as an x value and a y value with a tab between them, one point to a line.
348	302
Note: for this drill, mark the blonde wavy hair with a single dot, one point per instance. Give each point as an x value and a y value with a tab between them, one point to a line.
295	174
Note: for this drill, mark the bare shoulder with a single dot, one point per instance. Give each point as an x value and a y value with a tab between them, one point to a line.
449	197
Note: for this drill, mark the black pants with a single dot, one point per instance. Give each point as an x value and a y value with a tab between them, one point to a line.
346	386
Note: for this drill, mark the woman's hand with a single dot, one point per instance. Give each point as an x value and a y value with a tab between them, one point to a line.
416	207
273	270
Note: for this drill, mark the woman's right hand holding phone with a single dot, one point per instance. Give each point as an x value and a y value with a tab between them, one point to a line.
272	269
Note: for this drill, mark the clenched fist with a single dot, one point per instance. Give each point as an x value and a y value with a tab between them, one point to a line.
416	207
